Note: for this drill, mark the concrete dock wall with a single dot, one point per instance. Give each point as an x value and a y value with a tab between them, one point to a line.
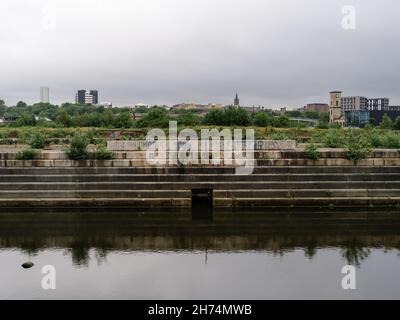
283	176
171	187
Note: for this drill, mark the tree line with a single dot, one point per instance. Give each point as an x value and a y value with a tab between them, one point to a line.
76	115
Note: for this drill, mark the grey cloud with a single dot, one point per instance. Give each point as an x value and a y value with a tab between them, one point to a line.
274	53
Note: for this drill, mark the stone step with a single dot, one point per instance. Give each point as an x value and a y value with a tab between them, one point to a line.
197	170
127	163
355	202
306	193
258	154
267	185
186	203
49	194
144	203
201	177
172	194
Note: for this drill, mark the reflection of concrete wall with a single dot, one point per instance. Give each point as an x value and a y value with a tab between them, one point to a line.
228	231
218	243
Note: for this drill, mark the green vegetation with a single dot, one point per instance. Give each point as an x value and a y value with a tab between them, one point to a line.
334	138
37	141
123	120
187	118
386	123
102	153
67	115
357	146
328	138
78	147
26	154
312	152
278	136
70	115
154	118
396	124
40	124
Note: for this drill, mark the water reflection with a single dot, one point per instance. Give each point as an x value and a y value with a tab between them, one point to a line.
82	233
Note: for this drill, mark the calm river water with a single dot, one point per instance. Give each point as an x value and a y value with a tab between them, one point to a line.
236	255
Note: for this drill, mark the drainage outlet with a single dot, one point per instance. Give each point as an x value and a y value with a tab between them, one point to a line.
202	204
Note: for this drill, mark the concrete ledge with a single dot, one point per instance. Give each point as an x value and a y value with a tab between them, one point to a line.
144	145
197	178
306	202
98	202
186	203
234	188
141	163
196	170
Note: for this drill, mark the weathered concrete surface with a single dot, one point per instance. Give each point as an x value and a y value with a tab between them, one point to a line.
144	145
297	157
282	177
170	187
121	163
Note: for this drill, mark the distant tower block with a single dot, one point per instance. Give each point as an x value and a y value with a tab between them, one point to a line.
236	102
44	95
87	97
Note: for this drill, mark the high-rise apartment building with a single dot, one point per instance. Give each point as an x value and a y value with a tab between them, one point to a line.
378	104
356	103
44	95
87	97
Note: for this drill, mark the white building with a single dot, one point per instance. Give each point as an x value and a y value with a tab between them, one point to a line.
44	95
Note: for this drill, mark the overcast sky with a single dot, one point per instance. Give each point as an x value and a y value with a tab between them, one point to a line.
272	52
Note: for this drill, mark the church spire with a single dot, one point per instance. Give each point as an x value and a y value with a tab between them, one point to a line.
236	103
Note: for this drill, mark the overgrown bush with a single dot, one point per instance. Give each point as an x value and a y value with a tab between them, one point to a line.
312	152
228	117
374	138
323	125
102	153
278	136
25	119
38	141
92	136
123	120
263	119
78	147
188	119
58	133
63	119
390	140
386	139
357	146
26	154
396	123
155	118
334	138
386	122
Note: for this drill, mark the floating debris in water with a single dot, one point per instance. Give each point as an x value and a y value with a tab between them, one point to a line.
27	265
